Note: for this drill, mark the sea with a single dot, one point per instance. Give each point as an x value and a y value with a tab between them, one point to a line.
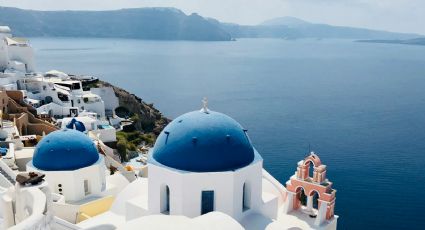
359	106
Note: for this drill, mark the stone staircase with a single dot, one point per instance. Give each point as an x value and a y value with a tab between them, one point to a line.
5	175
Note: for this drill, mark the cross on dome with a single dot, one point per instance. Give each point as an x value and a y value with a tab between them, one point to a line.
205	105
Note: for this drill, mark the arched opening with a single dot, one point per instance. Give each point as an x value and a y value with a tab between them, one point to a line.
207	202
48	99
165	200
310	169
315	199
301	197
246	197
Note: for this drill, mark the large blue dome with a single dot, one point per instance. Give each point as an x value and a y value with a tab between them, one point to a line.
203	142
65	150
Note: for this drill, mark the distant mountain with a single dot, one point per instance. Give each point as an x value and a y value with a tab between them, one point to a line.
171	24
294	28
415	41
285	21
142	23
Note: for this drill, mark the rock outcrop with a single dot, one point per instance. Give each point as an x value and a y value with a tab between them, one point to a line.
146	117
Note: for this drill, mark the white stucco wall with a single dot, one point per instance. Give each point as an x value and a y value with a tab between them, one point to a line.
186	189
108	96
24	54
73	181
95	107
55	109
4	54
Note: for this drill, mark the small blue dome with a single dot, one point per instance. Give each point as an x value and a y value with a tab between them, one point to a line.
77	125
203	142
65	150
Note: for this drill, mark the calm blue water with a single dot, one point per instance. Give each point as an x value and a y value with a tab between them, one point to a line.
360	106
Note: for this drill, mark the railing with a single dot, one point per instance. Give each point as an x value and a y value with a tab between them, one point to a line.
36	221
109	158
65	224
58	198
282	190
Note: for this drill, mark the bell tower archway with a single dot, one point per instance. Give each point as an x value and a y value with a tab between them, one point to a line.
310	192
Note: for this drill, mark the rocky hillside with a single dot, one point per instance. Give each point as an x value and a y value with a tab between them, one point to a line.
146	117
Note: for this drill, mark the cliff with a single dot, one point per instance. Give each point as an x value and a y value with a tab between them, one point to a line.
146	117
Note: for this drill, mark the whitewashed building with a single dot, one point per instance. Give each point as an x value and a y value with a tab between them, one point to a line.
16	59
61	97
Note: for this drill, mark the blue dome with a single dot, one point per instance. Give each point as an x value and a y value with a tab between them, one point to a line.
65	150
203	142
77	125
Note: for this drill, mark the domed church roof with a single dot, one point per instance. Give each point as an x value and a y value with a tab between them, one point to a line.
203	141
65	150
77	125
3	134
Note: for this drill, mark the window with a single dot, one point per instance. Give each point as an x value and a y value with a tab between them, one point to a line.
86	187
76	86
165	200
60	189
246	197
63	97
207	202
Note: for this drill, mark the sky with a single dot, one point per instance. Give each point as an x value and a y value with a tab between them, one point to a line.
390	15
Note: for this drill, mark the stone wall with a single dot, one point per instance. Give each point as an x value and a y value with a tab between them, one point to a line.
26	122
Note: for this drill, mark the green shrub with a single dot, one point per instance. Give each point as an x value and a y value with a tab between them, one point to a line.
122	149
133	139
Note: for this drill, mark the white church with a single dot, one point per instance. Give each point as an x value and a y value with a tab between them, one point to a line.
203	173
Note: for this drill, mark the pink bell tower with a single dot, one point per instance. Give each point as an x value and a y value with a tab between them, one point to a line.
304	189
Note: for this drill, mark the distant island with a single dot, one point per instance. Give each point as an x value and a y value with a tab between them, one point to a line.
294	28
141	23
415	41
172	24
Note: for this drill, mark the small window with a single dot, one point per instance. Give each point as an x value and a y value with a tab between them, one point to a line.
246	197
86	187
165	200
